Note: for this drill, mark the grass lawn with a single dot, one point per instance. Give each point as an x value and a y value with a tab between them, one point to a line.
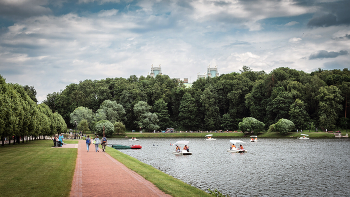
36	169
163	181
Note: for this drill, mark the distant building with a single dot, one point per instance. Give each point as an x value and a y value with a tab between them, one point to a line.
201	76
156	71
212	72
185	80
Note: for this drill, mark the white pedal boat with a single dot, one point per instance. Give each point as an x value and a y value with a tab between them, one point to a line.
209	137
236	150
181	144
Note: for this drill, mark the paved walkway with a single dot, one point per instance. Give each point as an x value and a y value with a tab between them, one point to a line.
98	174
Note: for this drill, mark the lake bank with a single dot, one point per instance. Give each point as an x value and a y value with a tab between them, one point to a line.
324	135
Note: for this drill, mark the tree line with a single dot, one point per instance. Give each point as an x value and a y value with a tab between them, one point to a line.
21	116
308	100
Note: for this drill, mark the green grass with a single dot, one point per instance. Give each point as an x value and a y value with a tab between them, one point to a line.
36	169
163	181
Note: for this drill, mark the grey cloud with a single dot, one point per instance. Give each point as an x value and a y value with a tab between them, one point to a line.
346	37
237	43
331	14
16	10
325	54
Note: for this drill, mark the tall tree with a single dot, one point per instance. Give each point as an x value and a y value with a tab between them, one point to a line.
188	111
211	109
330	99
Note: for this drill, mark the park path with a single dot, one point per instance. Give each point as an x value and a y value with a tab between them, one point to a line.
98	174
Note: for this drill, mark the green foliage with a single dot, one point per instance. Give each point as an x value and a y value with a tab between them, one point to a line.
227	122
284	126
161	110
119	128
267	97
83	126
109	128
329	106
298	114
271	128
251	124
188	112
81	113
112	111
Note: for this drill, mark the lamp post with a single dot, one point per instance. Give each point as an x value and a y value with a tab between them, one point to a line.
75	134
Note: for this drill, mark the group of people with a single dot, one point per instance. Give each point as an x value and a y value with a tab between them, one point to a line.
234	147
96	141
58	141
185	148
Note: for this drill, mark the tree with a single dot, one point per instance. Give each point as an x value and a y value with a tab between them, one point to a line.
81	113
83	126
330	99
227	122
112	111
284	126
298	114
119	128
211	109
161	110
188	111
251	124
109	128
145	119
148	121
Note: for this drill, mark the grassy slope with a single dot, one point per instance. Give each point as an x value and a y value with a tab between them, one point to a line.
163	181
36	169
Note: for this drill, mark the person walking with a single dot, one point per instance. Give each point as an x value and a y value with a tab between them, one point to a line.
104	143
97	142
88	142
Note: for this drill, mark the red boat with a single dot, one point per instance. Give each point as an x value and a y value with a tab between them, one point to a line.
136	147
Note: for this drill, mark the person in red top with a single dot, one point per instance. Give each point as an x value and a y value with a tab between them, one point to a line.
240	146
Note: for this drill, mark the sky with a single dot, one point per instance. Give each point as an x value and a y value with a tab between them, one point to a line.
50	44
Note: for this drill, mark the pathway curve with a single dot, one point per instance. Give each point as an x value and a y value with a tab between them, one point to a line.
98	174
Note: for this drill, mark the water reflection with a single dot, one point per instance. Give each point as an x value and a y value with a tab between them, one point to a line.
272	167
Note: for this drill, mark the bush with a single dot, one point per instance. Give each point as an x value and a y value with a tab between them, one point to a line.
119	128
251	124
83	125
271	128
109	128
284	126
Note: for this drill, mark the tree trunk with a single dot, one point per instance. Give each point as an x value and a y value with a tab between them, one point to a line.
3	141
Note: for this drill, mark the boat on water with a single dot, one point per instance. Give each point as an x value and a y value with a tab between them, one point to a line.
119	146
236	149
253	138
180	150
209	137
133	139
303	137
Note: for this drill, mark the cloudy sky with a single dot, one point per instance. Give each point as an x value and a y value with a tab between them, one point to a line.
50	44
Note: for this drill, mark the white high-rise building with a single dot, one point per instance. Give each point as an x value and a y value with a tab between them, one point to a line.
155	71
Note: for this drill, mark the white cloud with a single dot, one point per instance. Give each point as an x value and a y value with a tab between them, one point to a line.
291	23
108	13
295	40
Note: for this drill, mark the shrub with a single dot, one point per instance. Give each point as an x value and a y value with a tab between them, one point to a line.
109	129
284	126
119	128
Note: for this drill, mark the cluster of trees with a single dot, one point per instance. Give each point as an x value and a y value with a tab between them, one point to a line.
317	99
21	116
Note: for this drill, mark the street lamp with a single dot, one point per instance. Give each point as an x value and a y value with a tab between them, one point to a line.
75	134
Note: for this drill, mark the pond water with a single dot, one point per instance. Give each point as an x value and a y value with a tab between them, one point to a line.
271	167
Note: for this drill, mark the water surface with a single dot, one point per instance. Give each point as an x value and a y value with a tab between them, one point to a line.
272	167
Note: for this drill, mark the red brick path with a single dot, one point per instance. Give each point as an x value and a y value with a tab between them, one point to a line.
98	174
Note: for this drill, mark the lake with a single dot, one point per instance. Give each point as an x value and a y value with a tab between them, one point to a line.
271	167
